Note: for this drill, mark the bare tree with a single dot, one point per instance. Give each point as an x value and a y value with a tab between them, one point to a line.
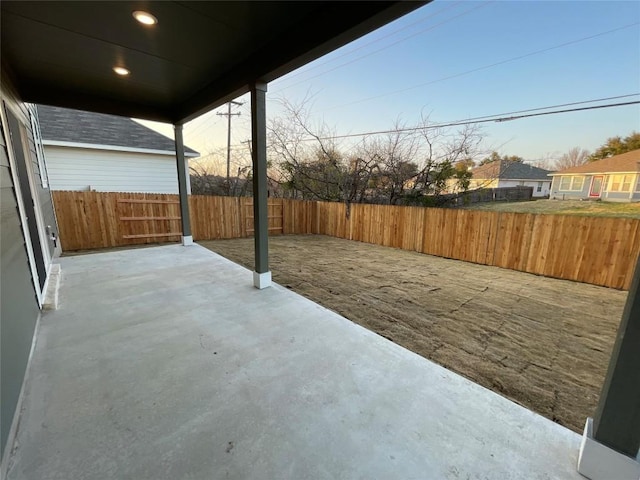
306	169
208	175
205	182
391	161
547	161
440	150
407	165
574	157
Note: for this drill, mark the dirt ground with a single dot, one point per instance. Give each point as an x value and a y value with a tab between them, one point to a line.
542	342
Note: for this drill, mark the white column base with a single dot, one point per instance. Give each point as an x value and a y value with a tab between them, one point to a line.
261	280
599	462
188	240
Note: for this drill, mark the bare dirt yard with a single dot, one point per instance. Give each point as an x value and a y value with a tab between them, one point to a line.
542	342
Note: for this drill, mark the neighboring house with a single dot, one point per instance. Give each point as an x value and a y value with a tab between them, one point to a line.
503	173
106	153
615	179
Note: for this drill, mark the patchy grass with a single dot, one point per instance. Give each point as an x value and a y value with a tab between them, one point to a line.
564	207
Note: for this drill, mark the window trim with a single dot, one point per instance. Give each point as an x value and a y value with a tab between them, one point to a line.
37	140
621	183
573	181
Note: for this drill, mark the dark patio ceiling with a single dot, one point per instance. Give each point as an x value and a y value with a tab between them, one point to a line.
198	56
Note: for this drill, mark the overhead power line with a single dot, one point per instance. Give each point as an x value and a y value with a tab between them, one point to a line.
404	28
485	67
357	59
582	102
497	117
476	120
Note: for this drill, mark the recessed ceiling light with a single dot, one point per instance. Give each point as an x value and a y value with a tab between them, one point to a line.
144	17
121	71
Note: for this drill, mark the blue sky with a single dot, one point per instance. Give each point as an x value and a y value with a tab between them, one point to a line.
418	65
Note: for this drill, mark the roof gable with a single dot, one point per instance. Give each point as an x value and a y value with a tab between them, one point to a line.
625	162
66	125
507	170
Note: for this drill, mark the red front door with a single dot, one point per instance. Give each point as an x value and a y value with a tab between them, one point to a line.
596	185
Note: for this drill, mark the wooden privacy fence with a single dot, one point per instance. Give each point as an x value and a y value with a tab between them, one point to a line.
90	220
596	250
500	194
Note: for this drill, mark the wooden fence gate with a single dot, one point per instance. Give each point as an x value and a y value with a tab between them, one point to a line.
275	215
88	220
149	219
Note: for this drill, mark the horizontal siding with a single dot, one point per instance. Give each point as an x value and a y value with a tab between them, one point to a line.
567	195
108	171
546	186
19	308
617	196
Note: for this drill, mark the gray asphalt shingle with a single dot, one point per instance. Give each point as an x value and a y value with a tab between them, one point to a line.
511	171
67	125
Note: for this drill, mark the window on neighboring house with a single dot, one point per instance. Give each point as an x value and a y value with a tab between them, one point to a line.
620	183
539	189
574	184
638	184
577	183
37	140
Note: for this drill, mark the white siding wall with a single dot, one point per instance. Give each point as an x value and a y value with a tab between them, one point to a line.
73	168
546	186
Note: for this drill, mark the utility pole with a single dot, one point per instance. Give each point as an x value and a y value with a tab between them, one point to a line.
229	115
248	142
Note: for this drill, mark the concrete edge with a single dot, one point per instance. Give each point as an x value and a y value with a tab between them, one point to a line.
187	240
599	462
53	287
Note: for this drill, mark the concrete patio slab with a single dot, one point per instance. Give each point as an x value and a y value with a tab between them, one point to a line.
166	363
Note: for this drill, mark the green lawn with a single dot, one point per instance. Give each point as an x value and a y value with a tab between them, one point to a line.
564	207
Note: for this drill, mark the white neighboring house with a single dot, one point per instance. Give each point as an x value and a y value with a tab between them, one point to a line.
503	173
107	153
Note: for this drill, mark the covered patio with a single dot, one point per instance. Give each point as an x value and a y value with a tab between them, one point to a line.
164	363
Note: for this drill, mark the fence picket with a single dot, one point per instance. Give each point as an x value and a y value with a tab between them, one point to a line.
601	251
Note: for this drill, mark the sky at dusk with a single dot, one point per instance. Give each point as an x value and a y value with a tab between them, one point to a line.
453	60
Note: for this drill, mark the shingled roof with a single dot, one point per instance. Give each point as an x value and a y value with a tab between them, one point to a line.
623	163
76	126
507	170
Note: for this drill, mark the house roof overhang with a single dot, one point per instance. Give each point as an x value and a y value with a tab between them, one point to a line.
582	174
115	148
198	56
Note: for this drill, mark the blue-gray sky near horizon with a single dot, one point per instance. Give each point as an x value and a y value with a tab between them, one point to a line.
454	60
